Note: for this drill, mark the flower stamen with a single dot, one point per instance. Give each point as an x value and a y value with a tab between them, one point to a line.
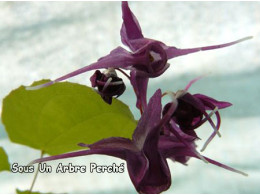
111	84
212	135
107	84
205	119
212	124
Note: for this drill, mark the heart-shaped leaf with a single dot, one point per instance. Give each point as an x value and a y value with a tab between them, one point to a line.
55	119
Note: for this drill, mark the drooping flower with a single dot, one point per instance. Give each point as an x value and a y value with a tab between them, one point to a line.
177	140
147	151
147	168
108	84
191	113
147	59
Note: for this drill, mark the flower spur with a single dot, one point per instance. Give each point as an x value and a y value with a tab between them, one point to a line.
147	58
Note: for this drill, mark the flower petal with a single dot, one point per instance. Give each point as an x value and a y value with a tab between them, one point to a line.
112	142
216	103
156	60
118	58
194	101
114	146
130	29
137	163
157	177
146	136
149	120
169	143
173	52
188	143
179	152
140	87
115	152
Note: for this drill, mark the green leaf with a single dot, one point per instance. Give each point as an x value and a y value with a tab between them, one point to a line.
4	164
55	119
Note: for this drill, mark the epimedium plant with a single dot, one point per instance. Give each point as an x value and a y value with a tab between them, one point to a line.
56	113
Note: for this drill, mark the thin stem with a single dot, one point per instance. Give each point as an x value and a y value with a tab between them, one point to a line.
36	174
123	73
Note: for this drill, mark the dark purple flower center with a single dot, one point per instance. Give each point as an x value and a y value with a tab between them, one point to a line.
155	60
108	84
186	116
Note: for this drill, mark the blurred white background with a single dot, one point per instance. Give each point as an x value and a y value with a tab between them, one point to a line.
48	39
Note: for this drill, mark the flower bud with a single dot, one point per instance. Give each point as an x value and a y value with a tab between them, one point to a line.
108	84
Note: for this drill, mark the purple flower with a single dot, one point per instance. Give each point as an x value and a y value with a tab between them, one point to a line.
191	113
131	36
147	151
177	140
147	59
147	168
108	84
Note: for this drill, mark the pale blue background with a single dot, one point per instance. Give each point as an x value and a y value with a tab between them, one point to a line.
48	39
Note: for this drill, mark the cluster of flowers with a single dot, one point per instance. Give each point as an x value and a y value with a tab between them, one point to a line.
162	132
